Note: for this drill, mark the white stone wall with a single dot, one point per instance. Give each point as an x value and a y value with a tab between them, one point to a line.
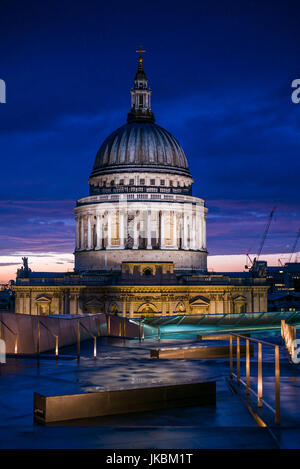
133	224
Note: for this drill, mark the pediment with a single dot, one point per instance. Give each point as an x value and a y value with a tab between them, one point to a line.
240	298
43	299
199	301
93	302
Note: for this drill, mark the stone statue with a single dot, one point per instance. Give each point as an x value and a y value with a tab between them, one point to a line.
25	263
24	270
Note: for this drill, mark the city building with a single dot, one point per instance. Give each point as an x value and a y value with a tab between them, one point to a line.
140	241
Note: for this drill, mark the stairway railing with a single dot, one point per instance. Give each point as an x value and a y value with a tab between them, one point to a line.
237	375
40	323
288	334
12	332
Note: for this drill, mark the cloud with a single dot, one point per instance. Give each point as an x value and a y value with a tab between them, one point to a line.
6	264
237	226
36	226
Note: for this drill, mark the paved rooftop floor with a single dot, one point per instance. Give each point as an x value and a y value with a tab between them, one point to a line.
127	363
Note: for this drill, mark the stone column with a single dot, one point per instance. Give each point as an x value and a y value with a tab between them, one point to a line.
149	243
55	304
89	232
199	231
76	295
163	305
162	230
212	305
131	309
174	230
167	305
26	303
135	232
21	303
73	302
66	302
184	231
60	303
124	305
82	246
193	232
99	232
77	234
109	229
203	231
122	231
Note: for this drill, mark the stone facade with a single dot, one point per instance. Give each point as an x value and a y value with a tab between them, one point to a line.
142	289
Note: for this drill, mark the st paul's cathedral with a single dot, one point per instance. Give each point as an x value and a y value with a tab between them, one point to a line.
140	240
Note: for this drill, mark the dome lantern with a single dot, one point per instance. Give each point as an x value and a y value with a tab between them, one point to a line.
140	94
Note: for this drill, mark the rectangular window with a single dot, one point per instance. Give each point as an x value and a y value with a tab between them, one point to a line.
162	182
152	182
131	182
142	182
121	182
171	183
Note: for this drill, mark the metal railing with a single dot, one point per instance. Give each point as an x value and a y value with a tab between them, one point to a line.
141	330
40	323
78	339
288	334
108	325
259	393
242	322
122	327
12	332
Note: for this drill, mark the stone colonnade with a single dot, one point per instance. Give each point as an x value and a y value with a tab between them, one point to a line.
111	226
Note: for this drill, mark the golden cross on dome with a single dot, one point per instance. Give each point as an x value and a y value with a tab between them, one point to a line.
140	51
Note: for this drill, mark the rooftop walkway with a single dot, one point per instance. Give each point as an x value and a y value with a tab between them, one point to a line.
124	363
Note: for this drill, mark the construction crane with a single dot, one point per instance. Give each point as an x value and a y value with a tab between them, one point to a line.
265	233
294	246
254	262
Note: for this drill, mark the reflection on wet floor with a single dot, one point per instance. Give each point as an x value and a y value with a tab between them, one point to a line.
126	363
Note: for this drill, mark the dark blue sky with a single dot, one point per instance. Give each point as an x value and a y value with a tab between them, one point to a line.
221	76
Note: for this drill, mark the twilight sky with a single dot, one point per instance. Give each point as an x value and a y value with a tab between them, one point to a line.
221	76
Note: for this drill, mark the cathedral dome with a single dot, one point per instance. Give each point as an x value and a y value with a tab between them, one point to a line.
140	145
140	206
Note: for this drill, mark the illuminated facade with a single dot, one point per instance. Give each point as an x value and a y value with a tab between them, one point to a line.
140	242
140	204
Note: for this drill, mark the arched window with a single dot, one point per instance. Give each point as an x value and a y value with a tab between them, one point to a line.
148	272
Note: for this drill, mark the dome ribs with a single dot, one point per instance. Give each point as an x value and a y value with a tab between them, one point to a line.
141	146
